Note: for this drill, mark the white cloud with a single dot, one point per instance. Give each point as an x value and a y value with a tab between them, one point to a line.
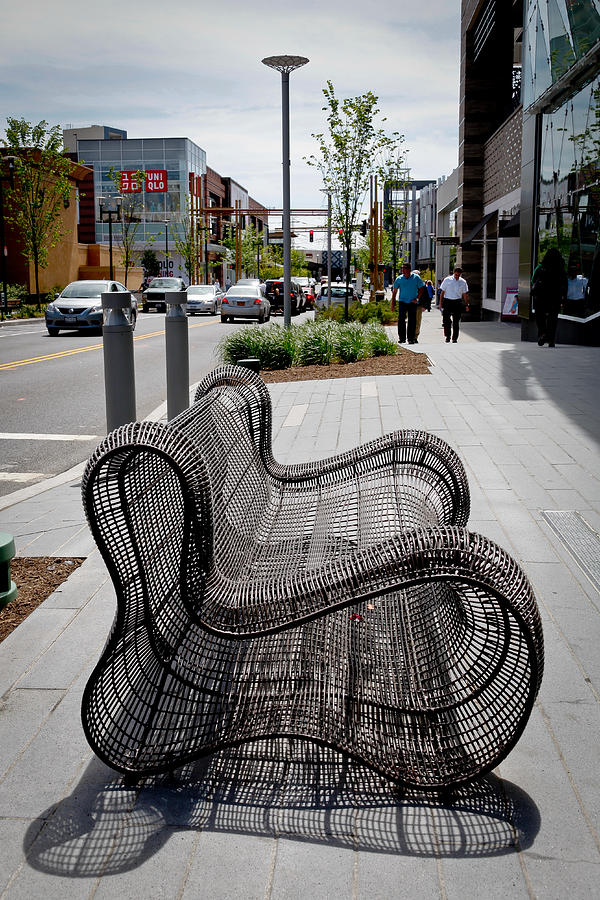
189	69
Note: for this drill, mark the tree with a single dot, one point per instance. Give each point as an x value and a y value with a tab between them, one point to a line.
41	191
348	155
252	249
394	217
131	219
186	243
150	263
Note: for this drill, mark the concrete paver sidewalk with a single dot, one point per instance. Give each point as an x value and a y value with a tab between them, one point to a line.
526	422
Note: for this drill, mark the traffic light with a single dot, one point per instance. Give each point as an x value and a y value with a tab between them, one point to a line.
310	235
341	232
363	228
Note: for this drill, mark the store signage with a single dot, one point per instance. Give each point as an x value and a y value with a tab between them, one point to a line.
155	182
129	183
511	303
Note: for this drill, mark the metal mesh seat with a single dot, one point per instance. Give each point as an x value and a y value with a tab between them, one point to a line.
340	601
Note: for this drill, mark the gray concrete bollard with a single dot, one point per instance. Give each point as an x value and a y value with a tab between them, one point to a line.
119	373
178	353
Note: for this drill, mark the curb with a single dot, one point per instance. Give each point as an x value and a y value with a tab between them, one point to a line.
6	323
76	471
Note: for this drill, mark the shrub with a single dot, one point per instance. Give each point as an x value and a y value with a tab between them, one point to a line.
312	343
29	311
315	344
351	344
379	311
273	346
16	292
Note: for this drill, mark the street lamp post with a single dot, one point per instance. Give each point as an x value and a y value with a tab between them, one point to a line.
110	206
11	170
285	65
166	248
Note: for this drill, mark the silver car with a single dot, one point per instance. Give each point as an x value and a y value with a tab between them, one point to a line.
79	307
203	298
338	296
245	302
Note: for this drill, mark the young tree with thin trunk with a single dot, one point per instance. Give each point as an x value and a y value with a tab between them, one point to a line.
131	218
41	190
186	243
349	153
394	219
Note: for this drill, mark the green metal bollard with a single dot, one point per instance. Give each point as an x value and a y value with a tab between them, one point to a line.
8	589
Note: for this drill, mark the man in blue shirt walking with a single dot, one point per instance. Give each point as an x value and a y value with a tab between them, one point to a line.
408	288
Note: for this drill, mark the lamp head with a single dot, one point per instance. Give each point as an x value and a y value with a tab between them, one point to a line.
285	64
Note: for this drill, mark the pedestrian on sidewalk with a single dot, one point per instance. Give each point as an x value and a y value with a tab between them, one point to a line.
454	295
409	289
424	302
548	292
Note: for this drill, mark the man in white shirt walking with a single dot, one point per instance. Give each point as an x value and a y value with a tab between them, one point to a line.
454	293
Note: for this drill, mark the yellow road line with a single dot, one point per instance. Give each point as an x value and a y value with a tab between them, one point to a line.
62	353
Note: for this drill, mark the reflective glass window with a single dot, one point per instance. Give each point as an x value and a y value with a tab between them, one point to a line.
569	196
557	35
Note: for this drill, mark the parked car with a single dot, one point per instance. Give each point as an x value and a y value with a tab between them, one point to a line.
245	302
154	295
274	291
203	298
79	307
338	296
308	288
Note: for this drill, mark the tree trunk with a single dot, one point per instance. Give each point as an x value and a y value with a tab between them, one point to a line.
37	282
347	298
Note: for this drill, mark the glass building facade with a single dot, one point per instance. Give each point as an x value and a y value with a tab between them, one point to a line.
179	157
561	123
569	195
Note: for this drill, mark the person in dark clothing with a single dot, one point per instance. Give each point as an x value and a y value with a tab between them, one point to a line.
548	292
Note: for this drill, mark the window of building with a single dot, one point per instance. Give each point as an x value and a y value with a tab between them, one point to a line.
569	196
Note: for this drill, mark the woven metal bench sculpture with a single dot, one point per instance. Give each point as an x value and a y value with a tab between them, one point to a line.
339	601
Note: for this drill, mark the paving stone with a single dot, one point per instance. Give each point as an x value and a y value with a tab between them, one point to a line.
227	865
21	649
305	869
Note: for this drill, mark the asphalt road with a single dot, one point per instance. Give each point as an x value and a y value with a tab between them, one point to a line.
52	391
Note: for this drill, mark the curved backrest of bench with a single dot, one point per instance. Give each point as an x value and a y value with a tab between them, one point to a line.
230	423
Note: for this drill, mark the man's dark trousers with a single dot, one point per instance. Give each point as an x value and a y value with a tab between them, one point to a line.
404	310
451	313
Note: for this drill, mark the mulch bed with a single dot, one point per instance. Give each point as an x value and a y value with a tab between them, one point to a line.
404	362
36	578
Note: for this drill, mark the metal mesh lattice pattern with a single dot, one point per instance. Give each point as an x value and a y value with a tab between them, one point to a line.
340	601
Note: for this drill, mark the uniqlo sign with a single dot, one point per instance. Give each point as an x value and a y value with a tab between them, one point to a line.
129	184
155	182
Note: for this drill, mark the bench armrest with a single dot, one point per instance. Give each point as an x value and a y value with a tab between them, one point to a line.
147	499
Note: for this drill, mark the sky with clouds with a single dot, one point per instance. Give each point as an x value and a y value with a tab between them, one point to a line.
193	69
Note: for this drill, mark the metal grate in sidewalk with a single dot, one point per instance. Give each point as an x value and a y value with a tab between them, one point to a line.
580	539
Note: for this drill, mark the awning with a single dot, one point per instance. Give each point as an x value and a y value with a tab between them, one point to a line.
478	228
511	228
216	248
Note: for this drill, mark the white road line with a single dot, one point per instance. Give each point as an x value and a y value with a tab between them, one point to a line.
21	476
11	332
18	436
295	415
